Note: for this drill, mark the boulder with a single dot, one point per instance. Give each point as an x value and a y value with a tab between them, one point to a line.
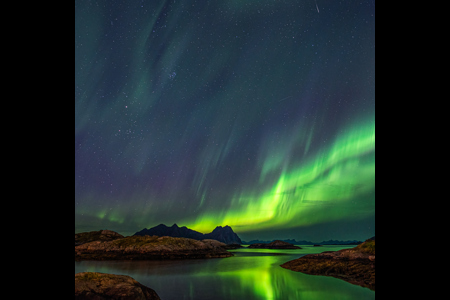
99	286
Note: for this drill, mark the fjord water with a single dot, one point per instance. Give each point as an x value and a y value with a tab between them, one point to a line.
252	274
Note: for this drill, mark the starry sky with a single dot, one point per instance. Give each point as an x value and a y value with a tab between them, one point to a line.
257	114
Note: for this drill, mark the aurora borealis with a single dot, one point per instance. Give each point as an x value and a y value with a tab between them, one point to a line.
257	114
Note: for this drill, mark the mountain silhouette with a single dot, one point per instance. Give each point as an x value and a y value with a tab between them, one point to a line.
222	234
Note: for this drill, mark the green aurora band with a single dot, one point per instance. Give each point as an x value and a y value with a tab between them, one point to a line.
268	126
334	184
320	190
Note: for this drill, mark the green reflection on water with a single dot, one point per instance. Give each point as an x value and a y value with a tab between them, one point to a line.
263	276
252	274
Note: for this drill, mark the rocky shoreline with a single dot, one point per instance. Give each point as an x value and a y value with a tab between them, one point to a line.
149	248
356	265
97	286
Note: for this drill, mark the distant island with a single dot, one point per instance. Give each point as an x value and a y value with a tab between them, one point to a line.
355	265
274	245
303	242
109	245
222	234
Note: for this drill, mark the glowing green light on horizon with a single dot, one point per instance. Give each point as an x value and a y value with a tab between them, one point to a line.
316	191
336	183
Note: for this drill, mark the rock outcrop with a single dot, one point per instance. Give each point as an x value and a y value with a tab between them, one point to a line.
356	265
274	245
102	235
150	247
222	234
98	286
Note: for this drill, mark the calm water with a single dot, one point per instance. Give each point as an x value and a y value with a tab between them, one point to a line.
252	274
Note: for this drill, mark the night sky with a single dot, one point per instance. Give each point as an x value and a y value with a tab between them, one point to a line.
257	114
